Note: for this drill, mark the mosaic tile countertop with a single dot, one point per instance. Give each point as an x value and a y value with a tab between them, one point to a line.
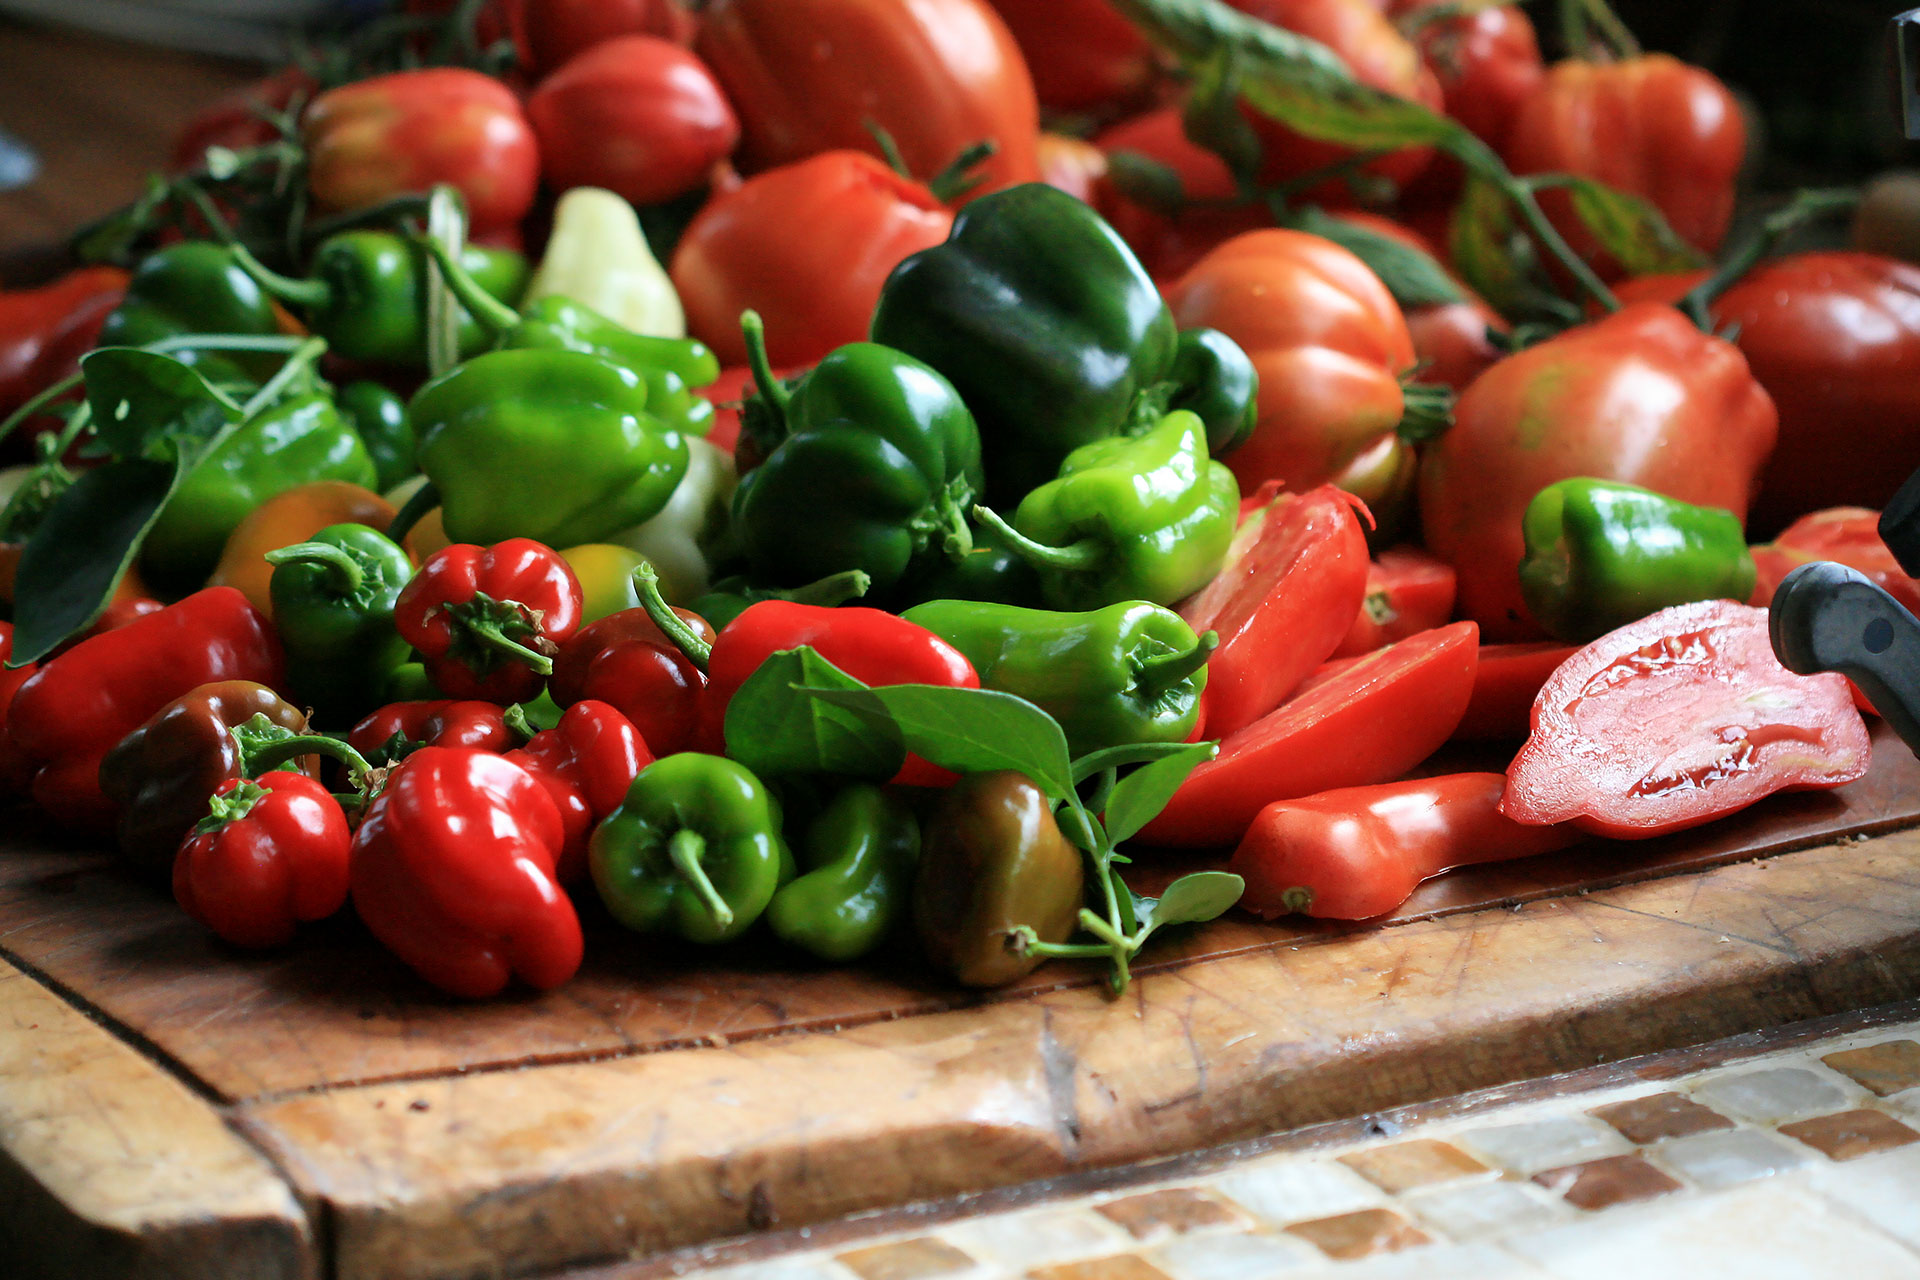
1745	1158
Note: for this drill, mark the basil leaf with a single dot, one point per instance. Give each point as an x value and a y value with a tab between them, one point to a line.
775	728
967	730
1146	181
1213	119
1410	274
1201	895
152	406
85	541
1483	246
1129	753
1144	792
1628	227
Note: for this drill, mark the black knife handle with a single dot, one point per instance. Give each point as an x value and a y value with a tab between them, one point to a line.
1827	617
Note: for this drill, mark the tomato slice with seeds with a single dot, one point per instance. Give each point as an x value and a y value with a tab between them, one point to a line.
1677	719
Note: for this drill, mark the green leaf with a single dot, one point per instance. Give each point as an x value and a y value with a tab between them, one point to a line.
1213	118
1628	227
1129	753
86	540
1201	895
775	727
1483	246
152	406
1146	181
1143	793
1410	274
967	730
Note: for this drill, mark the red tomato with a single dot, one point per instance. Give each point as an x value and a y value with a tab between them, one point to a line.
1505	684
1072	164
1453	341
553	32
1487	63
812	75
1169	243
1641	396
1835	340
1379	716
1083	54
637	115
399	133
1677	719
1293	575
1652	126
1848	535
808	246
1408	590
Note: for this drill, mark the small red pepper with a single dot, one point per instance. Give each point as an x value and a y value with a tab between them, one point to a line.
623	659
488	620
453	870
1359	852
586	763
14	772
45	331
77	706
271	853
397	730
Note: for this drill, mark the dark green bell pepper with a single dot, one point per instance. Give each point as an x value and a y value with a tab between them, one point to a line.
367	294
195	286
1214	377
1601	554
1125	674
877	464
695	848
333	598
557	446
380	417
1131	518
293	441
992	570
858	857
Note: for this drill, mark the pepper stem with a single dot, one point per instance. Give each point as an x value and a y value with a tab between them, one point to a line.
296	364
1088	553
1805	207
956	536
958	178
310	294
685	847
647	582
273	754
486	622
345	572
834	589
1165	670
424	499
772	394
230	806
495	316
1427	411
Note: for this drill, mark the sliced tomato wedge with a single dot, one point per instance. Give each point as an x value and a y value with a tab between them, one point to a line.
1846	535
1677	719
1366	720
1408	590
1293	580
1508	679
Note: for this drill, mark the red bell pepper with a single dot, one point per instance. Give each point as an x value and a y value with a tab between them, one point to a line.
45	331
14	773
397	730
77	706
623	659
453	870
1408	590
586	763
271	853
488	620
1360	852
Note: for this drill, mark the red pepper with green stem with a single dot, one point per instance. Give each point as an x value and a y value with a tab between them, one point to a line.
488	620
271	853
586	763
399	729
45	331
623	659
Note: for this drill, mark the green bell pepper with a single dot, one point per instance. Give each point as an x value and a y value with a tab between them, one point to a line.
195	286
1132	518
367	294
557	446
1214	377
293	441
877	464
333	598
1601	554
859	855
695	848
1124	674
992	570
380	417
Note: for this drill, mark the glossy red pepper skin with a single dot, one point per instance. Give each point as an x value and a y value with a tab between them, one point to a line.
622	659
1641	396
1408	591
15	776
256	875
406	131
549	33
453	870
535	592
1505	682
871	645
395	731
586	763
1359	852
1847	535
45	331
76	707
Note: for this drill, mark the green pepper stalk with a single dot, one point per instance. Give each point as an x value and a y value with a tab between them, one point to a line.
859	854
1131	518
1601	554
731	597
333	599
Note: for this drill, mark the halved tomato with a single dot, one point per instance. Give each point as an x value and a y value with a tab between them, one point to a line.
1408	590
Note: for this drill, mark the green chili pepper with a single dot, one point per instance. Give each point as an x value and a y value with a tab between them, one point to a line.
1214	377
1601	554
1124	674
380	417
1133	518
367	295
859	854
694	848
294	441
195	286
558	446
333	599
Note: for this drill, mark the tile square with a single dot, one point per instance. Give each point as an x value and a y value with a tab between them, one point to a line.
1851	1134
1234	1255
1442	1262
1478	1209
1283	1191
1121	1266
1361	1234
905	1260
1600	1184
1534	1145
1170	1211
1774	1094
1022	1240
1660	1115
1883	1068
1422	1162
1716	1160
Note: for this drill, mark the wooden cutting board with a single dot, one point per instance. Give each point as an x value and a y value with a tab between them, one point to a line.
169	1106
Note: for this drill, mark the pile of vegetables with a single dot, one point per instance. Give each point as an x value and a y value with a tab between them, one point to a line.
964	511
